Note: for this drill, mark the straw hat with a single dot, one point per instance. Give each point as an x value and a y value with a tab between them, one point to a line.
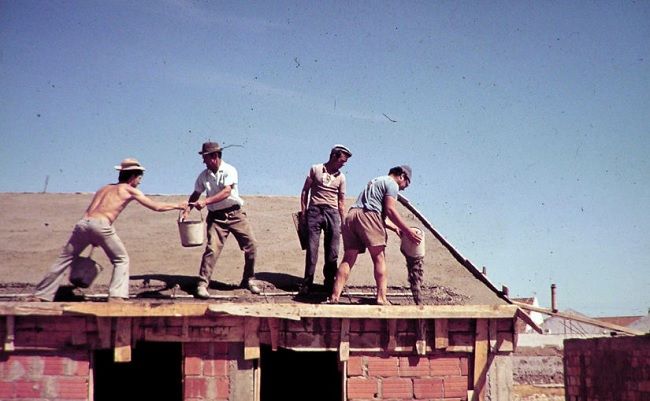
129	164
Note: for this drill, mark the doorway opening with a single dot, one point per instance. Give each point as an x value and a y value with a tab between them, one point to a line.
300	375
154	373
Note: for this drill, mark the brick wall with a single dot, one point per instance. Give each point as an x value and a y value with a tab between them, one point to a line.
44	376
607	369
205	372
440	377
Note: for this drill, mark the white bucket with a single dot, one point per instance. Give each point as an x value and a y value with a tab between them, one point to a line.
84	270
192	232
410	248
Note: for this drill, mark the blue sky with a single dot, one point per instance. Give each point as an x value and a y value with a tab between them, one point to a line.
526	123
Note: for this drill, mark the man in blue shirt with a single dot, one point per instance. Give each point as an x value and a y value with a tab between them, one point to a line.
365	227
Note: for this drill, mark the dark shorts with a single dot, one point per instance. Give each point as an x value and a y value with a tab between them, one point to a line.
363	229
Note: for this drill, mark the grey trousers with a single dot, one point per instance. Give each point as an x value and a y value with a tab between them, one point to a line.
220	225
97	232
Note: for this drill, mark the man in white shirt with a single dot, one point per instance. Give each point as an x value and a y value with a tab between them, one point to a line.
225	215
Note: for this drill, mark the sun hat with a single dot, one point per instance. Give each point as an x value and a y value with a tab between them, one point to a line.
209	147
129	164
342	148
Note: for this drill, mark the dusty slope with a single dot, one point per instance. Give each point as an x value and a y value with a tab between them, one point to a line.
35	226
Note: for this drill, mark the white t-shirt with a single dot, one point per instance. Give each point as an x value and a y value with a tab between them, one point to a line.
212	183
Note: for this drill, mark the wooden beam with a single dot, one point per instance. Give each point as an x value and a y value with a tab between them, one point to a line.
441	334
392	334
421	337
10	335
492	328
281	311
344	344
466	263
251	338
104	332
298	311
122	350
274	332
480	359
582	319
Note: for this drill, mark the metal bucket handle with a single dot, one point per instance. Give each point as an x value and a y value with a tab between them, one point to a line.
180	215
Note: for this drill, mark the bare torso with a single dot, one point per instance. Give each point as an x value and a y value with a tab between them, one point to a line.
109	201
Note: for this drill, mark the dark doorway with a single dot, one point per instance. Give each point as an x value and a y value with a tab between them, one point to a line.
154	373
299	375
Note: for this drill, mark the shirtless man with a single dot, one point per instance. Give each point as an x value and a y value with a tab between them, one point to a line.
96	228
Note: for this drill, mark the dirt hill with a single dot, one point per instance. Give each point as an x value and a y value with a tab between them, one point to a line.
35	227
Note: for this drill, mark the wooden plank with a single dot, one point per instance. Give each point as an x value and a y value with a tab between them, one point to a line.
392	334
441	334
136	330
274	332
122	350
251	338
569	316
480	359
10	334
421	337
104	332
492	328
298	311
282	311
344	343
196	334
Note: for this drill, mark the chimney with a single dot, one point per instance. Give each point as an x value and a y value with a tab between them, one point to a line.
553	298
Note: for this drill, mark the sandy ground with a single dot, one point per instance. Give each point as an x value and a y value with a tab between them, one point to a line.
35	226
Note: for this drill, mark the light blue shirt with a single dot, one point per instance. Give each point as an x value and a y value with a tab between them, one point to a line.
372	197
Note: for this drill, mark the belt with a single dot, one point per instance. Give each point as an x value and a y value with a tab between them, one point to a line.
232	208
224	212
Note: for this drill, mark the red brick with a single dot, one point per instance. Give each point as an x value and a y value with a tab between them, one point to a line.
215	367
72	388
195	387
396	388
359	387
54	365
355	366
81	368
193	366
222	388
7	391
384	367
455	386
445	366
464	366
428	388
28	389
21	363
414	366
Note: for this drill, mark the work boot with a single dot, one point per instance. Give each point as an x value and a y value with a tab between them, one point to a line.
251	286
202	292
305	288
